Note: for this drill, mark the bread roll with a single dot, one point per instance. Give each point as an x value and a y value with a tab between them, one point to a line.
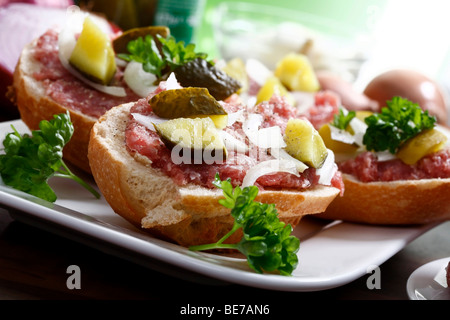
187	215
394	203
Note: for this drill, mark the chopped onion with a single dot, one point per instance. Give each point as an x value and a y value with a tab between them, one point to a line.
253	122
171	83
269	138
268	167
341	135
67	42
231	143
327	171
148	121
141	82
257	71
282	154
384	156
263	138
359	128
237	116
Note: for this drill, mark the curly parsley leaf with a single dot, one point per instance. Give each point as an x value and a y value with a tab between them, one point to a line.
342	119
176	54
267	242
395	124
30	161
145	51
173	54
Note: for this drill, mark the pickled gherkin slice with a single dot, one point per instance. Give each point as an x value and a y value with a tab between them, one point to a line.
424	143
304	143
201	73
220	121
235	68
93	54
273	86
185	102
194	141
297	73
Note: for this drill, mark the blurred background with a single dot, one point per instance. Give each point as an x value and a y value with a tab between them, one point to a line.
356	39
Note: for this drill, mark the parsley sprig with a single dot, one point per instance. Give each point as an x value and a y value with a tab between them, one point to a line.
267	242
173	54
31	160
396	123
342	119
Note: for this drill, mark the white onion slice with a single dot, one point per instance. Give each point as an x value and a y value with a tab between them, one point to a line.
282	154
66	44
384	156
268	167
172	82
141	82
263	138
257	71
253	122
251	101
231	143
148	121
341	135
268	138
233	117
327	171
359	128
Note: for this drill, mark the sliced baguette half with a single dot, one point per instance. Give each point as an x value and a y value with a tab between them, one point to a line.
392	203
186	215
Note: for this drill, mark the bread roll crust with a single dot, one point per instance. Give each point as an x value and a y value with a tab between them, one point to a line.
187	215
34	105
401	202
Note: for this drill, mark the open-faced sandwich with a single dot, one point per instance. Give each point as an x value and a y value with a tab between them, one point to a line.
395	165
155	161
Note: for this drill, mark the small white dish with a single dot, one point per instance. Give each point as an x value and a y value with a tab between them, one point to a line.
429	281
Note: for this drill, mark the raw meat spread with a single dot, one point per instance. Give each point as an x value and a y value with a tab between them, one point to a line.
367	168
275	112
65	89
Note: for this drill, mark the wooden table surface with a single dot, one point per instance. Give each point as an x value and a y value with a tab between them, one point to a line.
34	262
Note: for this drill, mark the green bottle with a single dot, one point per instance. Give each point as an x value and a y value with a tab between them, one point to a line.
182	17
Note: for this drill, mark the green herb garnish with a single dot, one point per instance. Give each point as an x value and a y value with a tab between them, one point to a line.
399	121
29	161
267	242
342	120
173	54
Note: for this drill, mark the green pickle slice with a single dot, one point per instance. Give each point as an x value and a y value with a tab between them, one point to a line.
187	103
192	141
93	55
304	143
201	73
426	142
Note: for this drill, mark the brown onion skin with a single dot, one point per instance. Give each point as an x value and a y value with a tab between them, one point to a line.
350	98
411	85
